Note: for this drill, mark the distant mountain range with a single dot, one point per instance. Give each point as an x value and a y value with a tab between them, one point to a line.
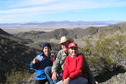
73	33
65	23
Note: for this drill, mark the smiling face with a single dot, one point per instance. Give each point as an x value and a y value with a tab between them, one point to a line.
73	51
64	46
46	50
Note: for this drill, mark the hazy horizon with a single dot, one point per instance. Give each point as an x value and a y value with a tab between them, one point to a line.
26	28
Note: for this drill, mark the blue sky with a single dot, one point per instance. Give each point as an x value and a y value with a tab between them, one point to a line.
22	11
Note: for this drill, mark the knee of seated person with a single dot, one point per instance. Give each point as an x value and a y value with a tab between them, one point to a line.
85	81
48	69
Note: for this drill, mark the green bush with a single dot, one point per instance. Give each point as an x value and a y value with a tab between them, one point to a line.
106	54
17	77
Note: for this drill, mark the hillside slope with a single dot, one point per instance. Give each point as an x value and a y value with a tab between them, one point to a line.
4	33
14	55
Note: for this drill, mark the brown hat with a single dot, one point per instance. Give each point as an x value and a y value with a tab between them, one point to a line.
64	39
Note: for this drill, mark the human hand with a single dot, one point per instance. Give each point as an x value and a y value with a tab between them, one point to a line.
54	75
35	61
66	81
94	82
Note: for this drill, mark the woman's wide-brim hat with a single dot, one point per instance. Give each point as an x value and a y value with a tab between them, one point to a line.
65	39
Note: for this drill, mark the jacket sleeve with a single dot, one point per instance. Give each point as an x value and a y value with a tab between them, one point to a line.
56	63
91	78
66	71
34	66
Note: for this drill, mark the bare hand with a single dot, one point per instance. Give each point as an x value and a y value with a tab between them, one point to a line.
66	81
96	82
54	76
35	61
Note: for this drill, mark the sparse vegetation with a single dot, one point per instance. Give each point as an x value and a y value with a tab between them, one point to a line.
13	55
106	54
17	77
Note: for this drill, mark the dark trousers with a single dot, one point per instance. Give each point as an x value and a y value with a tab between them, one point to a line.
40	81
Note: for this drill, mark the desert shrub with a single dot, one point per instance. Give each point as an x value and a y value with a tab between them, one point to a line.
17	77
107	54
93	30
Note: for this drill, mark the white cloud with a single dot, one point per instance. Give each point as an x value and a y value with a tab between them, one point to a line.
27	3
17	18
27	8
64	5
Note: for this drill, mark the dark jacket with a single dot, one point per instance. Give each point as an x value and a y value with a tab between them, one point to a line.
40	66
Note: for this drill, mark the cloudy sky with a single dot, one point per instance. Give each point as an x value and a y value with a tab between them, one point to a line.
21	11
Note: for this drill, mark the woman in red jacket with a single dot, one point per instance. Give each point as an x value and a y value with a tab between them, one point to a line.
74	69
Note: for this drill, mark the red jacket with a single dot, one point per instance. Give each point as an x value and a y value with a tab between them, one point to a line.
74	67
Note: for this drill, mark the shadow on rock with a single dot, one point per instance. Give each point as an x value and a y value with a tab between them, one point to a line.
102	77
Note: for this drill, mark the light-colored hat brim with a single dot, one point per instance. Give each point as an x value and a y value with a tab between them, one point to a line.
65	39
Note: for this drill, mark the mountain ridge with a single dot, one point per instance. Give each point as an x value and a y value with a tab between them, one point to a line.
65	23
73	33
